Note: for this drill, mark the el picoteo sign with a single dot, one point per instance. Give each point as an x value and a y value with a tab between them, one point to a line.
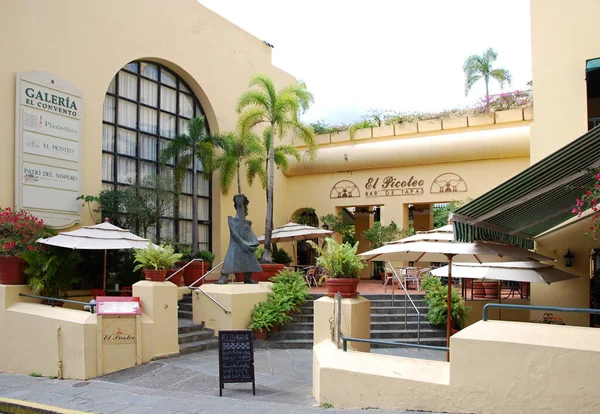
392	186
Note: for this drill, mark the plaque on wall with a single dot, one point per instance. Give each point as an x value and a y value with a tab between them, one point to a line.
48	148
236	358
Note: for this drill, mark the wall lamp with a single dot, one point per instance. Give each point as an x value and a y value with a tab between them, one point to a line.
569	257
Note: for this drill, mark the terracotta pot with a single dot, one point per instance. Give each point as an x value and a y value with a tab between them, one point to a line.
12	271
177	280
155	275
274	329
346	286
260	335
194	271
269	270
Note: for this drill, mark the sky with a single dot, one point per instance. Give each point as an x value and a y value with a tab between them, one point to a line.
400	55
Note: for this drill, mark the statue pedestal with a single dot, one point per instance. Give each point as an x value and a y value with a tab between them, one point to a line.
238	298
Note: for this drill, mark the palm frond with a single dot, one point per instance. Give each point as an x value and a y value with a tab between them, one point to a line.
265	84
502	76
252	98
250	118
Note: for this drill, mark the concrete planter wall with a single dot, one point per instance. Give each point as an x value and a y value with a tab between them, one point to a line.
364	133
481	119
512	115
430	125
453	123
406	128
340	136
383	131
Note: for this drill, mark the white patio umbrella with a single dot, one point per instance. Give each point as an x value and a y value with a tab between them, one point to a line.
294	231
103	236
532	272
439	246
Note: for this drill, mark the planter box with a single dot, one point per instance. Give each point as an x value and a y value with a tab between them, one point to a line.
481	119
269	270
383	131
528	114
364	133
323	139
456	122
512	115
340	136
12	271
430	125
405	128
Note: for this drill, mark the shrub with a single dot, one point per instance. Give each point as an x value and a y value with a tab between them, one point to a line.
281	256
340	260
156	258
436	297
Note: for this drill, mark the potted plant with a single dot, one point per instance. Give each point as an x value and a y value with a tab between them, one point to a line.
155	261
197	268
18	233
263	318
342	264
51	271
282	257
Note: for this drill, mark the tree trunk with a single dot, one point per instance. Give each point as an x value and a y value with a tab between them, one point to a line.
194	206
487	95
269	219
238	179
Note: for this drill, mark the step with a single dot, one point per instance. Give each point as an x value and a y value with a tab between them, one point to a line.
182	314
397	309
198	346
399	325
285	344
409	333
398	303
188	337
185	306
284	335
186	326
297	326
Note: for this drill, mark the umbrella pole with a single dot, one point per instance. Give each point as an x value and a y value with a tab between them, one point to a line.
449	307
104	284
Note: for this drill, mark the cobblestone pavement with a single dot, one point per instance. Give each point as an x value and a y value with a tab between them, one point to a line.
188	384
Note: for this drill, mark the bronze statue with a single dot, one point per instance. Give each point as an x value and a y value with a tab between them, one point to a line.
243	243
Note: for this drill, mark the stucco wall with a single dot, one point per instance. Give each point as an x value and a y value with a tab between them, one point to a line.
86	43
563	37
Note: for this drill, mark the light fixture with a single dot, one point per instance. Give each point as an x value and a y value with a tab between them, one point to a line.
569	258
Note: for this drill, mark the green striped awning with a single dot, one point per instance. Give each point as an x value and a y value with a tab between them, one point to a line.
535	200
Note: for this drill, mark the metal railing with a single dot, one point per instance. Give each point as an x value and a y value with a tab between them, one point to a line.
199	289
406	299
484	315
54	300
346	339
186	265
593	123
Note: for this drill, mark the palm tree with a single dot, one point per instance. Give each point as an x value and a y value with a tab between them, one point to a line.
480	66
280	110
236	151
197	144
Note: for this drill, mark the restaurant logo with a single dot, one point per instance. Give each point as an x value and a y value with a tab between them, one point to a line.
448	183
392	186
344	189
51	102
119	331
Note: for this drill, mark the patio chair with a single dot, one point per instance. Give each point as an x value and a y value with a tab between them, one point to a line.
411	274
309	276
321	272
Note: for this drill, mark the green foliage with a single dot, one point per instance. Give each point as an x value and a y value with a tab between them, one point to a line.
326	405
18	231
282	257
289	292
206	256
35	374
307	216
365	123
156	258
336	223
441	214
340	260
478	67
51	271
436	298
259	252
379	234
237	149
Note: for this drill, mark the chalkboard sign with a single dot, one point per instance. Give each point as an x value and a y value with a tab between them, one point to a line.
236	358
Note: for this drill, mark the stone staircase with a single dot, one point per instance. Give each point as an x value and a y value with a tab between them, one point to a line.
387	323
193	337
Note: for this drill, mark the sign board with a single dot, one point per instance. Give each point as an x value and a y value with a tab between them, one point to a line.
119	331
48	148
236	358
118	305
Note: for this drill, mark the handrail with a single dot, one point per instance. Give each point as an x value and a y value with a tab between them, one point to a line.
347	339
406	295
53	300
184	266
211	298
534	307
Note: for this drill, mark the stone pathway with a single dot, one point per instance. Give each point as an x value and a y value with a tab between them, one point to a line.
189	384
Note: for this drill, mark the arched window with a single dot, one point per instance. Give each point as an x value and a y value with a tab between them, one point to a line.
146	105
